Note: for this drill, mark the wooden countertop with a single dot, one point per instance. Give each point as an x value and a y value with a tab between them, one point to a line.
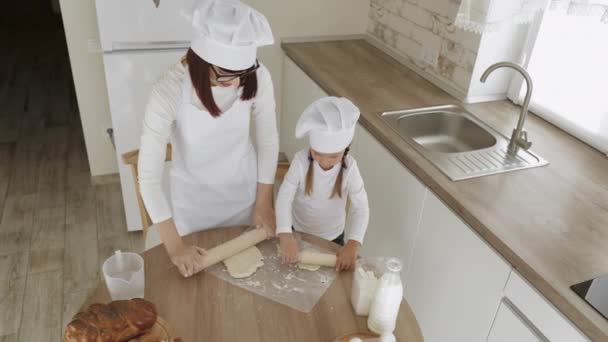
550	223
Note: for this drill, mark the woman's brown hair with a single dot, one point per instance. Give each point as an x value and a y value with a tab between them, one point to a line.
199	74
337	191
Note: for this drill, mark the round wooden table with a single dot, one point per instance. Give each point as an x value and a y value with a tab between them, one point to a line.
206	308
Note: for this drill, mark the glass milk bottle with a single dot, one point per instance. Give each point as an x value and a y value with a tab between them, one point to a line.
385	306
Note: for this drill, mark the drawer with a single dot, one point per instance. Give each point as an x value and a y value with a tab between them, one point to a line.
539	312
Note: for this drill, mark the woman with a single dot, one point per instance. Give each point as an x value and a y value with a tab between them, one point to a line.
203	106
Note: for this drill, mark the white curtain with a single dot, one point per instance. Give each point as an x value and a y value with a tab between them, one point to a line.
487	16
568	65
593	8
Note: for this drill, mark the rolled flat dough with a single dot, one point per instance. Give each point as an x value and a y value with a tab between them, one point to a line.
245	263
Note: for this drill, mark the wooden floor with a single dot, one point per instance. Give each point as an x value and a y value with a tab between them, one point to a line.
55	227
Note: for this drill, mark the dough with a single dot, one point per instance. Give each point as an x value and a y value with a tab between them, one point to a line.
309	267
245	263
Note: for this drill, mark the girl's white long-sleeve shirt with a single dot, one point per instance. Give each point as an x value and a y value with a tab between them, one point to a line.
161	112
317	213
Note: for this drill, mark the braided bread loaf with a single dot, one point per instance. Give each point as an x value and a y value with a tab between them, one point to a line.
119	321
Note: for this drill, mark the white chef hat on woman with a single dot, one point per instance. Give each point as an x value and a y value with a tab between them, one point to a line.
227	33
329	123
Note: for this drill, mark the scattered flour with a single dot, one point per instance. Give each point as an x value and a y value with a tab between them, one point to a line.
253	283
324	278
278	286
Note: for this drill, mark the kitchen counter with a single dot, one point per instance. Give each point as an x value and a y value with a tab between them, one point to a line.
550	223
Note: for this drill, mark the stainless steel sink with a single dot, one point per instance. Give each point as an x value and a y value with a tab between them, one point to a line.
458	143
445	131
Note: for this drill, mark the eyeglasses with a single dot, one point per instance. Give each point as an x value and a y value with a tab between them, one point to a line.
223	76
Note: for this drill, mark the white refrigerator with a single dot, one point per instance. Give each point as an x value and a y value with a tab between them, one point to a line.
140	39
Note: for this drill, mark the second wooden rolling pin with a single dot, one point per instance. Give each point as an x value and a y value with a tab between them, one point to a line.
227	249
311	257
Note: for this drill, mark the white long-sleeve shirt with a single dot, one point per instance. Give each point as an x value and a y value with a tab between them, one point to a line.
161	112
317	213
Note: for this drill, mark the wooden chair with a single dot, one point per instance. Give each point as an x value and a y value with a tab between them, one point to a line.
131	158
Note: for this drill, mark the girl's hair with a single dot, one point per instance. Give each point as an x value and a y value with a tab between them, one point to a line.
337	191
199	74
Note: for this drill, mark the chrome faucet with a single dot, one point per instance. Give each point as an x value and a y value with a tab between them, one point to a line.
519	137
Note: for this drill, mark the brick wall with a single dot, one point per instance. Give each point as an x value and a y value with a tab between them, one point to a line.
409	26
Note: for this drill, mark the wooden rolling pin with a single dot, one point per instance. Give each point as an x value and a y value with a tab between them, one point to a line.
234	246
311	257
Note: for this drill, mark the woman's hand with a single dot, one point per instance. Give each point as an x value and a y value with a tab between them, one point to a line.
187	258
289	248
347	256
263	216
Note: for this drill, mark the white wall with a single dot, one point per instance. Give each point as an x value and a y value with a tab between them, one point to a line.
289	18
80	24
310	18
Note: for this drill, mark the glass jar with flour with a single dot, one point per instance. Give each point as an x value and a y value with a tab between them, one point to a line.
365	280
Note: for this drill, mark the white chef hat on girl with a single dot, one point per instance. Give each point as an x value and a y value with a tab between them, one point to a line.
227	33
329	123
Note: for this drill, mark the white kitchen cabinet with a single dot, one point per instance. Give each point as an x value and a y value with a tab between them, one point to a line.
509	326
395	200
538	314
456	280
299	92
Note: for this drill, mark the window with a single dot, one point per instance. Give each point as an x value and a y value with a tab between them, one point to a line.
567	57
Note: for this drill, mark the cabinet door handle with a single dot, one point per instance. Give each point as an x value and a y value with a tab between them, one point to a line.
110	132
522	317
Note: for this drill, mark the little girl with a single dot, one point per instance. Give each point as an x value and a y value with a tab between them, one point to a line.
312	198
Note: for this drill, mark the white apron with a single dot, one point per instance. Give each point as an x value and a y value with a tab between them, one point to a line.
214	166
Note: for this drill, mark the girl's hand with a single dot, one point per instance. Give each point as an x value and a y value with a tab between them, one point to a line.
187	258
289	248
347	256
